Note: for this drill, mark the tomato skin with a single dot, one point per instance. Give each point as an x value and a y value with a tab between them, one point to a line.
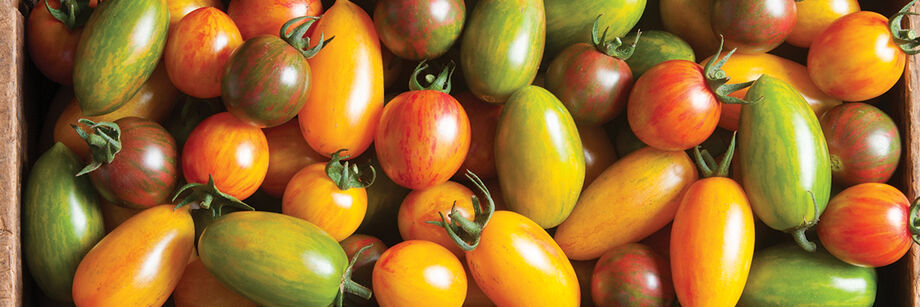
867	225
480	158
419	29
423	138
117	270
364	266
692	21
863	142
417	273
61	221
51	44
593	86
265	17
753	26
856	58
712	243
235	153
569	22
814	16
599	152
312	196
646	188
179	8
655	47
199	288
288	153
421	206
197	50
671	107
632	275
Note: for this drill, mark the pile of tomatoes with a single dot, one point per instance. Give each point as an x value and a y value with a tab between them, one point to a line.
448	153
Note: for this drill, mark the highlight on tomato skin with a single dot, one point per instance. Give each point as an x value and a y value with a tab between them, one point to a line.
417	273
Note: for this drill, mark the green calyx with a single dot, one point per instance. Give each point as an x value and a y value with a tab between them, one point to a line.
73	13
466	233
914	222
707	164
906	39
349	286
440	83
798	233
347	175
297	40
104	143
614	47
716	78
208	197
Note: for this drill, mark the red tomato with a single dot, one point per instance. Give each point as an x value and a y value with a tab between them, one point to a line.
234	153
255	17
632	275
419	273
199	288
812	17
363	269
288	153
51	44
483	116
421	206
179	8
867	225
198	49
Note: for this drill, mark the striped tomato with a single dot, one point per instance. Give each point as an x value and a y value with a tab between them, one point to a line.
180	8
419	29
233	153
632	275
197	50
753	26
288	153
421	206
265	17
51	42
863	142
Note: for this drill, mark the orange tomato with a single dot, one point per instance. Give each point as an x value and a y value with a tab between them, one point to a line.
346	98
288	153
180	8
139	263
419	273
233	153
199	288
421	206
599	152
255	17
197	50
813	16
311	195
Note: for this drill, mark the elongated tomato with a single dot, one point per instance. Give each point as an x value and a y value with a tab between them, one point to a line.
198	49
346	98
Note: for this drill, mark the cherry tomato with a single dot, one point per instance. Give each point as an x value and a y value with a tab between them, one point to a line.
421	206
419	273
863	143
255	17
632	275
51	44
233	153
197	50
483	116
419	29
179	8
812	17
753	26
288	153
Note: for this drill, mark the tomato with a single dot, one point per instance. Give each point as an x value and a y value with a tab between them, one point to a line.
814	16
288	153
421	206
419	29
867	225
784	164
113	215
569	22
265	17
143	173
51	43
191	112
107	72
632	275
753	26
363	269
140	262
857	57
692	21
599	152
502	47
197	50
199	288
539	157
863	143
480	158
179	8
631	199
246	250
785	275
61	221
655	47
234	153
416	273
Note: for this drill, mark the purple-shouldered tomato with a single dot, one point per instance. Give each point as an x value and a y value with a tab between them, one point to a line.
863	142
753	26
419	29
632	275
52	42
265	17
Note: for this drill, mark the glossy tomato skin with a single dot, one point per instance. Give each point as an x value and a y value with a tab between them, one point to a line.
692	21
364	266
235	153
345	103
423	138
867	225
712	243
569	22
753	25
197	50
632	275
108	72
863	143
417	273
61	221
266	82
421	206
813	17
199	288
856	58
483	116
419	29
655	47
312	196
599	152
51	44
179	8
671	107
118	269
288	153
593	86
145	172
265	17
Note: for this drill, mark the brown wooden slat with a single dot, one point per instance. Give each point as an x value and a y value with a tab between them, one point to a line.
911	125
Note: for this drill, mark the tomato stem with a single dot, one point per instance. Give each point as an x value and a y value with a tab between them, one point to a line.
73	13
349	286
208	197
104	144
460	227
914	222
613	47
906	39
798	233
440	83
716	78
706	163
297	38
346	175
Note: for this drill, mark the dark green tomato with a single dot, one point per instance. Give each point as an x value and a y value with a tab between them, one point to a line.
266	82
753	26
383	200
593	86
863	142
273	259
118	50
569	21
419	29
502	47
785	275
655	47
61	220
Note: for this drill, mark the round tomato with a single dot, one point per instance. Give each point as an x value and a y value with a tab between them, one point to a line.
419	29
632	275
288	153
179	8
199	288
429	204
599	152
569	21
51	43
419	273
863	143
257	17
753	26
363	269
812	17
233	153
480	158
197	50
